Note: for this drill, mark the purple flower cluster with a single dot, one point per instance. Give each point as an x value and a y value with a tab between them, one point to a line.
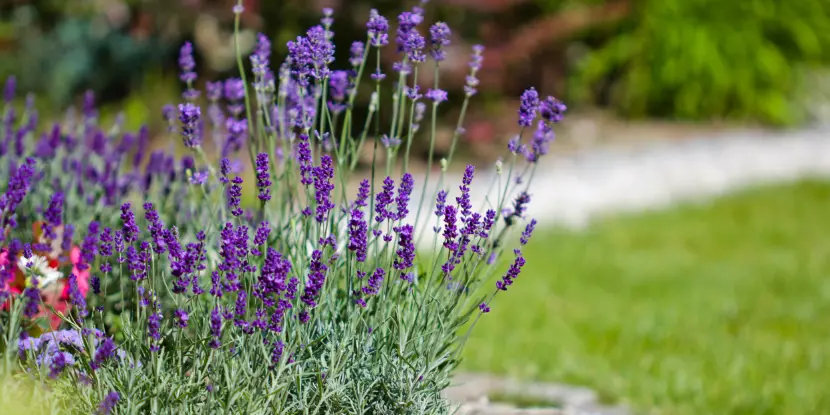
235	196
372	286
475	65
106	350
439	35
316	280
339	85
52	218
406	250
89	247
189	116
15	192
215	328
527	232
310	55
358	229
304	160
108	404
275	289
437	95
323	174
528	107
263	177
409	41
404	193
383	199
378	28
357	50
130	229
512	273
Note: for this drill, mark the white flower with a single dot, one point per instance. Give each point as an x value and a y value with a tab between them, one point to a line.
40	267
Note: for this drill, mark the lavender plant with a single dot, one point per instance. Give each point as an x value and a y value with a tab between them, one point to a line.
314	300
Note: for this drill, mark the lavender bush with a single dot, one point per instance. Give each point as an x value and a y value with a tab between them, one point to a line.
312	299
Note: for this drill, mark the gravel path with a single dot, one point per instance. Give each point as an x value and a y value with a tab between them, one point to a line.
570	190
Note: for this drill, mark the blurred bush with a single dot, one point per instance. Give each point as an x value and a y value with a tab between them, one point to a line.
700	59
60	48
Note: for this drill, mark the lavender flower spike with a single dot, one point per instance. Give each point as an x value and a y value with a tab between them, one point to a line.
439	35
263	177
528	107
189	116
378	28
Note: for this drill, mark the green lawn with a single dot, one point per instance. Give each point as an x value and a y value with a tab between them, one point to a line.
721	308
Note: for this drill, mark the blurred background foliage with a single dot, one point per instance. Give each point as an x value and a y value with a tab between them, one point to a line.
678	59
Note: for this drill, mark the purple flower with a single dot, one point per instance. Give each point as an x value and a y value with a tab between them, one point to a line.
375	280
261	236
214	90
95	283
240	310
17	189
440	203
310	55
519	208
32	296
118	241
304	160
383	199
153	326
358	229
378	28
512	273
263	177
108	404
235	196
234	90
316	280
189	116
356	51
323	187
338	87
186	63
390	141
527	232
437	95
528	107
105	351
540	142
409	41
53	217
463	201
489	221
276	353
57	364
404	192
450	228
89	247
9	89
406	250
199	178
475	65
484	308
215	328
78	300
105	247
237	133
552	110
439	35
130	228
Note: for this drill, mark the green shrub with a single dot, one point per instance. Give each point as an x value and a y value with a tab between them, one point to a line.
698	59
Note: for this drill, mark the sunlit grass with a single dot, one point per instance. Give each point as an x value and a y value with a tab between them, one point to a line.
719	308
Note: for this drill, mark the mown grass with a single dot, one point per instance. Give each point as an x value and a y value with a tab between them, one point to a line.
715	308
